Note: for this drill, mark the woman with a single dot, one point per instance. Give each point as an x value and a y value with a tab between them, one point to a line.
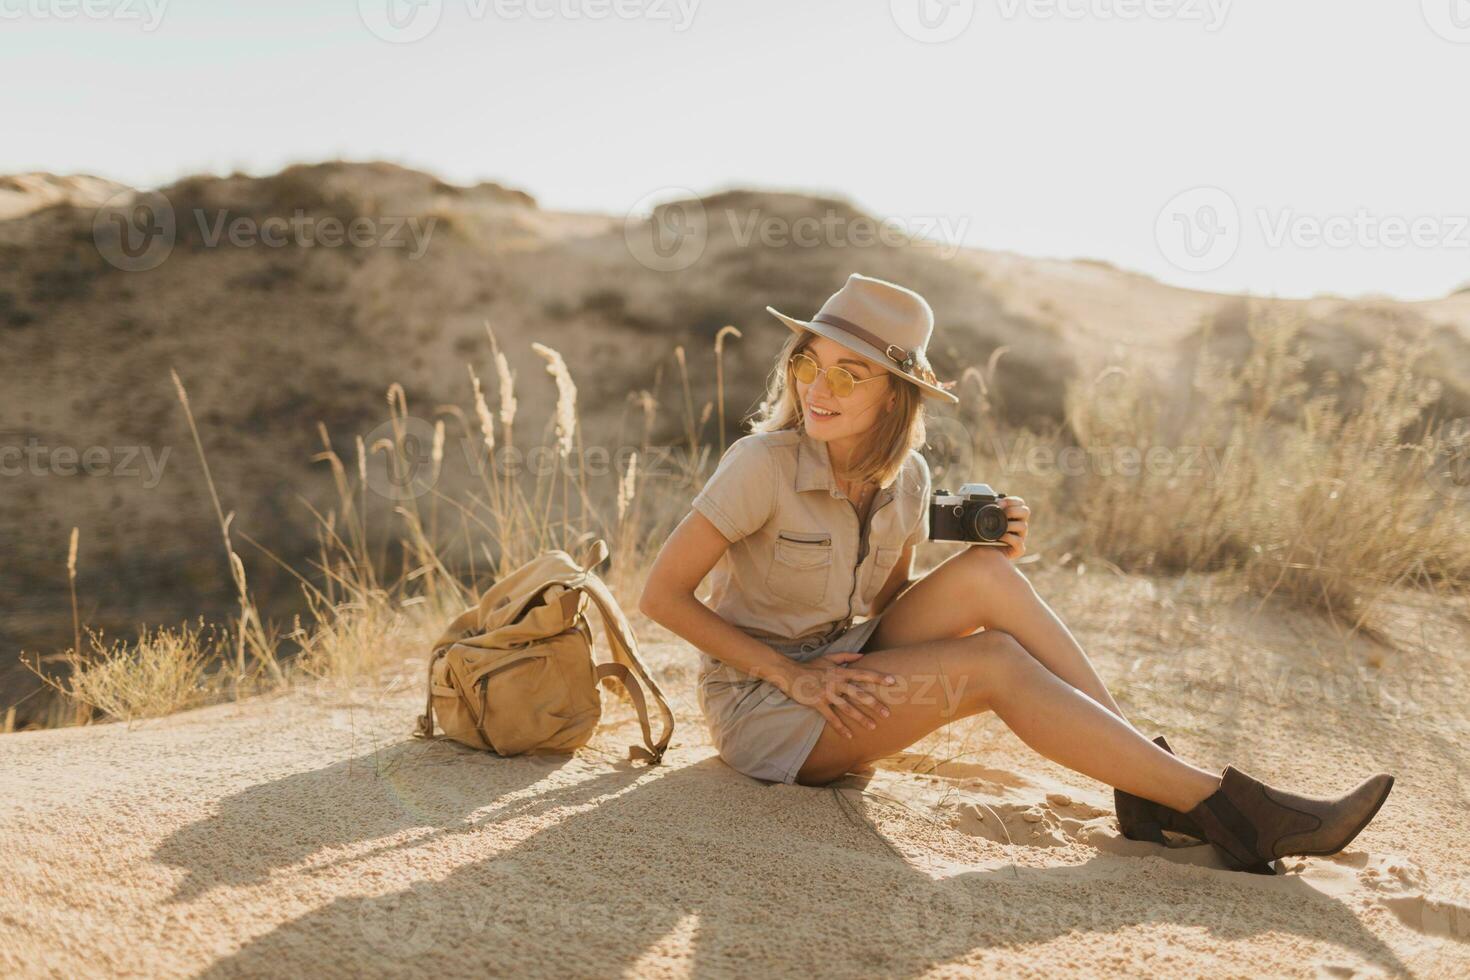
821	653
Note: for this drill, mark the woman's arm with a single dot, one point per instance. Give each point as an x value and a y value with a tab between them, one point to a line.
899	579
668	599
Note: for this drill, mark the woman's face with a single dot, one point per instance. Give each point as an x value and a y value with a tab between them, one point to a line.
829	417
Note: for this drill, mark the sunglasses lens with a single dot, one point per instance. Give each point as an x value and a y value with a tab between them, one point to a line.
839	381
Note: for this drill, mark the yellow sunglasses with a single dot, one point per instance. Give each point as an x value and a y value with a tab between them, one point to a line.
839	379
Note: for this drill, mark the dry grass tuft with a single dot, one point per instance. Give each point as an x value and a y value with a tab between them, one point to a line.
163	671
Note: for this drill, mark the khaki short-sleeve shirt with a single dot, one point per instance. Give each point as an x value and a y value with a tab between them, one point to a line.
798	564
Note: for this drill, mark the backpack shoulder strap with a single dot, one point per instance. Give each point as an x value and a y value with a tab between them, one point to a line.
650	751
625	663
425	726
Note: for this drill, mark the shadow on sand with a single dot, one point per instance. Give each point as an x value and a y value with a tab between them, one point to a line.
642	853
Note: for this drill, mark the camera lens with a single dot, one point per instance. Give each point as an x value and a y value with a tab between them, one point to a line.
990	523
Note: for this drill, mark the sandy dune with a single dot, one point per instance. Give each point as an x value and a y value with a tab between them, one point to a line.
23	194
308	834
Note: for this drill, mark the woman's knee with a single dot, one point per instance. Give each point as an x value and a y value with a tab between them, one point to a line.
990	566
994	582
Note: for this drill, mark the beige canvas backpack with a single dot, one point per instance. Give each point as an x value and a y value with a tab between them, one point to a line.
515	674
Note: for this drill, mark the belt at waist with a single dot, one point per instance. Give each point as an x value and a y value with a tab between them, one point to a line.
797	648
805	643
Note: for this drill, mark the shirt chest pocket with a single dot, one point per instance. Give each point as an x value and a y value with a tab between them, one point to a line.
801	565
883	561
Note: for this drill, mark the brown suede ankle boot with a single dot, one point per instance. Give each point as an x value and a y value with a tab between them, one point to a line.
1250	823
1145	820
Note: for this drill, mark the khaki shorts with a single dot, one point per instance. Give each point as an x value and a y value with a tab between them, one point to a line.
756	728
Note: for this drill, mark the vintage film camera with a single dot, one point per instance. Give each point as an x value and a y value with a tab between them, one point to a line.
972	515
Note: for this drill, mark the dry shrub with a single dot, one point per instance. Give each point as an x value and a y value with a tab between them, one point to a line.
163	671
1328	508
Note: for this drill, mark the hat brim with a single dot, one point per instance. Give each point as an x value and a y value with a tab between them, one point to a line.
852	343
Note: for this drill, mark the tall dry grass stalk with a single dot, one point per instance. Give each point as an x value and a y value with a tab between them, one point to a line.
71	579
731	331
482	412
507	386
984	409
80	710
566	434
76	618
691	431
249	631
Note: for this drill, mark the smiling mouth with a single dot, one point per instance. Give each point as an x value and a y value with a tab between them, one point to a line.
822	413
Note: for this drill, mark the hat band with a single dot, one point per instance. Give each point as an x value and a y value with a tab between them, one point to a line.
896	354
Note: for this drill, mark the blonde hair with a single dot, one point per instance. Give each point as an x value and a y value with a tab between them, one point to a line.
881	456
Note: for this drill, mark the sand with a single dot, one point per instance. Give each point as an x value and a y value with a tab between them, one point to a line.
308	834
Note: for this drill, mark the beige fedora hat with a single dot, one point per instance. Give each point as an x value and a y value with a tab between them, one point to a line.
881	321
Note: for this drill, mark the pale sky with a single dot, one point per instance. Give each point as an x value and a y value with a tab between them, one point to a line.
1318	145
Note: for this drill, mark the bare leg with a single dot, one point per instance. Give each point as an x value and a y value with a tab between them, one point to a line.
981	588
943	680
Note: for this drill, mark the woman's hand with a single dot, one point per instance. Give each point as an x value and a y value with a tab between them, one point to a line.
839	692
1018	515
